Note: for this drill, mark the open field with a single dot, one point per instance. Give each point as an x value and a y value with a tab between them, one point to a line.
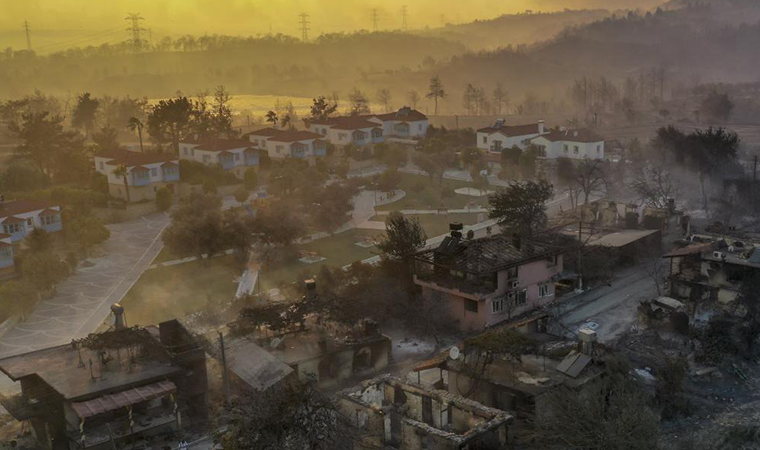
176	291
422	193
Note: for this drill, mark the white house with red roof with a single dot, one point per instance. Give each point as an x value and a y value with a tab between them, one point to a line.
281	144
580	143
146	173
499	136
19	218
354	130
234	155
405	123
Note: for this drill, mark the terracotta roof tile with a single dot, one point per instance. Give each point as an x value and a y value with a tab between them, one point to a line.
218	145
131	159
23	206
512	130
294	136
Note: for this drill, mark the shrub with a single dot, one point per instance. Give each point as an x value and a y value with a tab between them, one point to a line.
241	194
164	199
23	176
251	179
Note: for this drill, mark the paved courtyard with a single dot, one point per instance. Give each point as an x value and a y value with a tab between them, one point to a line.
83	300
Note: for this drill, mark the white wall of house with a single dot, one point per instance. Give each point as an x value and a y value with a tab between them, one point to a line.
210	157
570	149
155	174
281	150
487	141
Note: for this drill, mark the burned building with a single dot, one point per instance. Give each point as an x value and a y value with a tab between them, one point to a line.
713	271
129	386
329	354
512	370
481	282
390	413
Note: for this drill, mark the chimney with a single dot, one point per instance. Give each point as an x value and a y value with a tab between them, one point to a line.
118	316
540	127
456	229
516	241
311	286
588	341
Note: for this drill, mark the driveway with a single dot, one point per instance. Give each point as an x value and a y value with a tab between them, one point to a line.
83	301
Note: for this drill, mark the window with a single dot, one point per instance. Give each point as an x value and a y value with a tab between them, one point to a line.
102	166
551	261
206	158
51	219
419	127
237	156
575	149
5	252
485	139
512	273
154	172
12	228
522	297
564	148
279	148
543	290
599	149
497	304
184	150
470	305
342	136
30	223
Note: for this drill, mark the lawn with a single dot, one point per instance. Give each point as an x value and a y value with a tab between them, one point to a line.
430	196
176	291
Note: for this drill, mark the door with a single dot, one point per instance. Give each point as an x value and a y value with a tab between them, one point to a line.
427	410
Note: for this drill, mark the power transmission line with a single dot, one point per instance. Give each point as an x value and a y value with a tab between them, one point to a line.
374	19
28	39
304	26
136	30
404	25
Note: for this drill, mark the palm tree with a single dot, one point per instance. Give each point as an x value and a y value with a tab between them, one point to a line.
122	171
272	118
136	124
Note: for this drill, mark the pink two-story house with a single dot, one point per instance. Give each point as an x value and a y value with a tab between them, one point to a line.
479	283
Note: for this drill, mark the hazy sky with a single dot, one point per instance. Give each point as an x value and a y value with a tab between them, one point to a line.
104	19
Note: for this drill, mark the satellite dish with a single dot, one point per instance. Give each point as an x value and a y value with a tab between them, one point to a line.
275	342
454	352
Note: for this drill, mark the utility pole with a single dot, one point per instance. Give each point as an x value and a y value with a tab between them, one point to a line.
136	30
28	39
225	374
374	19
304	26
754	181
404	25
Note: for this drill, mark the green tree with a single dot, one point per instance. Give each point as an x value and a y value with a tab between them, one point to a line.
170	121
403	236
20	175
196	228
222	113
164	199
39	240
359	102
43	269
135	124
321	109
528	160
389	180
272	118
241	194
85	112
17	297
106	139
238	233
251	179
122	171
278	225
436	91
44	141
521	206
86	231
717	106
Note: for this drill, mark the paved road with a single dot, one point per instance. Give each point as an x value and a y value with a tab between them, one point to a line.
613	307
83	300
